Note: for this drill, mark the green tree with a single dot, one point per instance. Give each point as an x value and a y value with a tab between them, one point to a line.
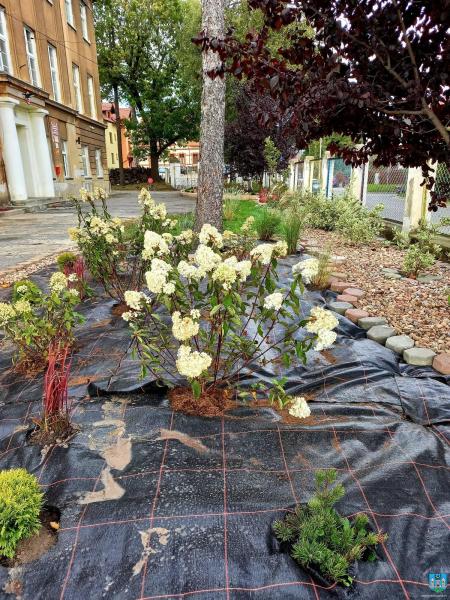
144	51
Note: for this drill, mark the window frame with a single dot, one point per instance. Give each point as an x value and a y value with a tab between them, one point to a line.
32	56
65	159
84	21
91	97
78	91
86	162
4	37
54	72
99	164
68	7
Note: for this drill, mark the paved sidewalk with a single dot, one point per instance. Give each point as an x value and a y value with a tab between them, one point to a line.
30	237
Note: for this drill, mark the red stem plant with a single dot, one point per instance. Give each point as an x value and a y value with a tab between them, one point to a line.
56	404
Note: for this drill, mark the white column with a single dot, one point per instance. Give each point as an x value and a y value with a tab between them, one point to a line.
324	172
307	173
11	150
46	188
416	196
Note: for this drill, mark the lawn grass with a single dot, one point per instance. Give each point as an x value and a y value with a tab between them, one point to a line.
245	209
158	186
387	188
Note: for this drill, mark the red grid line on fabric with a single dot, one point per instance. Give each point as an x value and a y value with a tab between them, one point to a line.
154	503
225	509
294	495
440	434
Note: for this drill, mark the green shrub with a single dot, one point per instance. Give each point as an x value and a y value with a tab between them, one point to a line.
291	229
315	210
416	260
267	223
26	290
355	222
20	504
421	251
324	266
66	259
319	537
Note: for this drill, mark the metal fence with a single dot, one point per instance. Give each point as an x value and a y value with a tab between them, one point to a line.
387	186
442	186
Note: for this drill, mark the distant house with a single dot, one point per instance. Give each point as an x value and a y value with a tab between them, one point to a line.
112	152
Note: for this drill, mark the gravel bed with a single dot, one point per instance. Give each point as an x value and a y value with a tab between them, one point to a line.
24	270
420	310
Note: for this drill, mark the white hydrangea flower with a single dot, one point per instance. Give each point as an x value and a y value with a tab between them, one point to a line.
274	301
206	258
169	288
134	299
299	408
127	316
21	307
185	237
72	278
184	328
167	237
22	289
280	248
321	319
308	269
247	226
58	282
263	253
158	211
84	194
74	293
210	235
145	198
100	193
225	273
243	269
110	238
157	277
325	339
6	313
191	272
192	364
154	244
195	314
75	233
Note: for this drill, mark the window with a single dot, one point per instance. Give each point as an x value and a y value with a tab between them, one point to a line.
30	46
98	163
110	137
65	158
113	160
91	95
69	12
85	161
5	63
53	61
84	21
77	88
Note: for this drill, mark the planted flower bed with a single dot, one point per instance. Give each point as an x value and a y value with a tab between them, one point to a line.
180	505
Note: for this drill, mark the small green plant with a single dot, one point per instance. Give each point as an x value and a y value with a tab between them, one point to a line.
318	537
20	505
421	250
291	230
267	224
355	222
26	290
401	239
66	259
230	208
321	279
417	260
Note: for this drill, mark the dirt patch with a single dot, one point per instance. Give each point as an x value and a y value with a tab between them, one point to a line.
118	455
163	538
111	490
37	545
59	432
329	356
118	309
183	438
210	404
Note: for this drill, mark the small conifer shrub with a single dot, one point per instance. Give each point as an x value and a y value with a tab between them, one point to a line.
20	505
321	539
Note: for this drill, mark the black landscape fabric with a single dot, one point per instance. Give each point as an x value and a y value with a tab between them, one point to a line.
156	504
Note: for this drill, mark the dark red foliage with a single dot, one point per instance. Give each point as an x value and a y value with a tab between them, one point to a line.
55	398
375	71
79	269
244	137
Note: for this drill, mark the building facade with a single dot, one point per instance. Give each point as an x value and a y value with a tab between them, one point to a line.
112	154
52	135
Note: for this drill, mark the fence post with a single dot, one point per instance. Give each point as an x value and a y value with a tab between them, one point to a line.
307	173
324	172
330	175
417	198
292	171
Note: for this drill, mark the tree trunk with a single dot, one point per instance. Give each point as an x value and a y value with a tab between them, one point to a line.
119	134
210	178
154	160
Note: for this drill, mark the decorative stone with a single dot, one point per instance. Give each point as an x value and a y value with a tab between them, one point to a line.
339	307
338	259
338	275
380	333
368	322
346	298
428	278
399	343
420	357
389	270
354	292
441	363
392	275
354	314
339	286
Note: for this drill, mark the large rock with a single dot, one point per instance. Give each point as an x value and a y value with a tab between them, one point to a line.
369	322
441	363
339	307
399	343
340	286
346	298
354	314
420	357
354	292
380	333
